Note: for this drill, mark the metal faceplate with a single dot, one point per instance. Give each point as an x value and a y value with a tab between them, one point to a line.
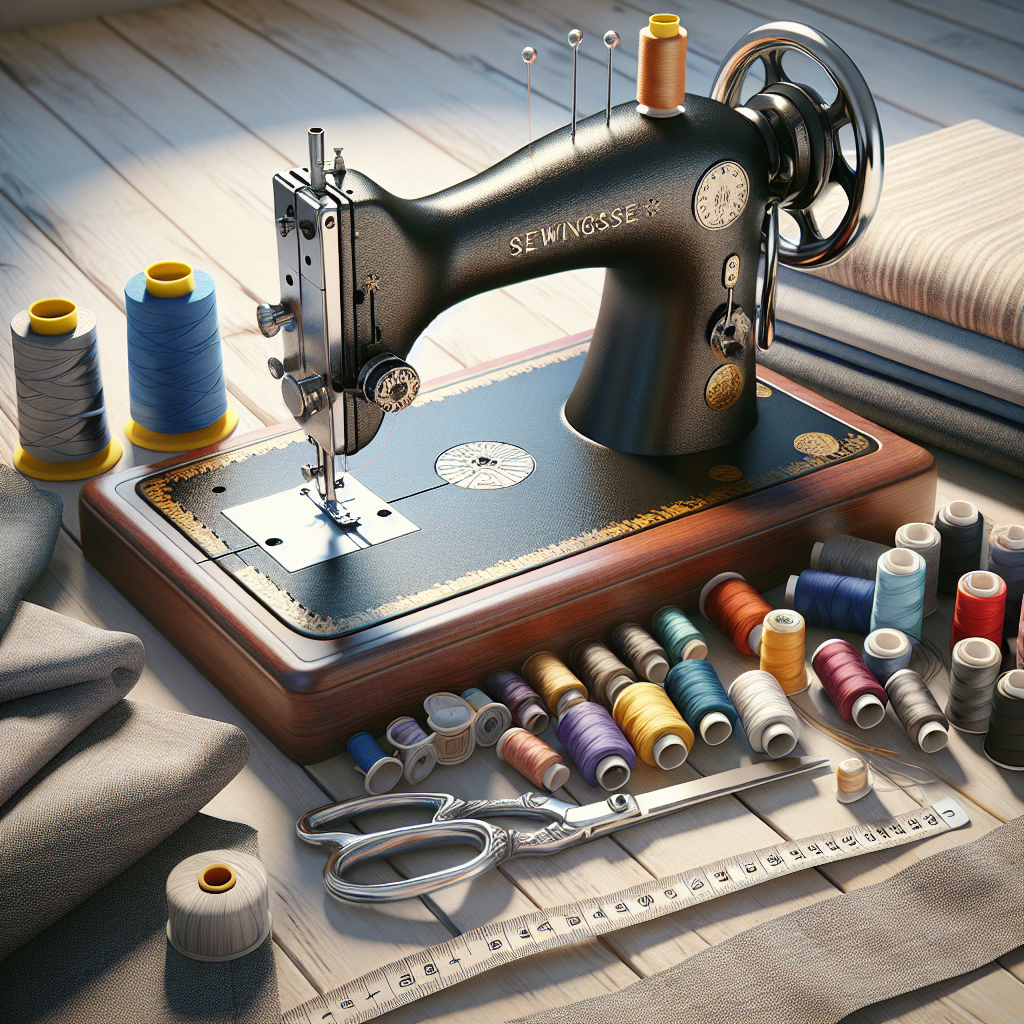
296	532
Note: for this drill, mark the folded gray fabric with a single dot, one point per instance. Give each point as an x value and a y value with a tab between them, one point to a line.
29	523
110	796
109	961
924	417
948	914
902	335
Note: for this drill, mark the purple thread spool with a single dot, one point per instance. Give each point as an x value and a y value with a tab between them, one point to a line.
596	744
515	693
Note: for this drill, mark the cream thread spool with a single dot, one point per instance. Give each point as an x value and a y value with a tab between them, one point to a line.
217	906
450	718
600	670
783	650
492	718
661	68
419	755
853	780
532	758
927	542
771	724
642	651
554	681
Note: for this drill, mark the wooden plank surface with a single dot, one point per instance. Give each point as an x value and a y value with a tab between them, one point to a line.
155	133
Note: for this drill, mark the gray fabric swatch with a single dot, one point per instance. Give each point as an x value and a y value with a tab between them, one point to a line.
109	797
109	961
902	335
922	416
948	914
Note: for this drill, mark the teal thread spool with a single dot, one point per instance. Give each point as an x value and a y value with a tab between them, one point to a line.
899	592
697	692
678	635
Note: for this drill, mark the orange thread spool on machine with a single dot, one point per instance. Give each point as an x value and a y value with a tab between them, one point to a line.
661	72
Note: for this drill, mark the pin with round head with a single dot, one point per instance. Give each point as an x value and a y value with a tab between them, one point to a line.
575	38
611	40
529	57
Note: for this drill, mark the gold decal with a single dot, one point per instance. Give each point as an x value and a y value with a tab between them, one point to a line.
724	387
725	473
816	443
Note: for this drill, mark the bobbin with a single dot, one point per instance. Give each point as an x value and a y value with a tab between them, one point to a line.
418	759
451	720
492	718
383	773
847	773
867	710
754	638
556	775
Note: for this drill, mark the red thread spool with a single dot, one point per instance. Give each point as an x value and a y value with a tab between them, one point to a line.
980	608
736	608
855	692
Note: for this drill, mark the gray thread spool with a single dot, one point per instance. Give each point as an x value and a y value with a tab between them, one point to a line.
927	542
771	724
217	906
1006	558
601	671
847	556
1004	744
975	668
645	654
61	415
918	710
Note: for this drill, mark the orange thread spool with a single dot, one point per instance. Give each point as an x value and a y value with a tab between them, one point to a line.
533	758
661	71
736	608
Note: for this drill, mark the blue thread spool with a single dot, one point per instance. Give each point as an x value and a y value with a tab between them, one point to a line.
381	773
834	602
678	635
175	371
695	689
899	592
887	651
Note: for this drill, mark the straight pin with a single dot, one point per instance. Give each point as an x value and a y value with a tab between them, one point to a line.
611	40
575	38
529	56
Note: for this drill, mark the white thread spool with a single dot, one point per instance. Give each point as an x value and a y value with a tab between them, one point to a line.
492	718
450	718
771	724
853	780
419	757
927	542
217	907
975	669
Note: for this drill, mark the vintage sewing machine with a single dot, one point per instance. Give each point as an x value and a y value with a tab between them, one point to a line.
541	498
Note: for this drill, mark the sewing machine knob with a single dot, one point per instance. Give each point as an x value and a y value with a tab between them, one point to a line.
303	397
389	382
272	318
276	367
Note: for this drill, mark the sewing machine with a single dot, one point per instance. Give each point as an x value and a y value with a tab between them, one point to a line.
541	498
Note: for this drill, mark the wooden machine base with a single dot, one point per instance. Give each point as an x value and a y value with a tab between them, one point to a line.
489	576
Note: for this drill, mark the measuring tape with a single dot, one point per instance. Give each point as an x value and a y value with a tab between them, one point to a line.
464	957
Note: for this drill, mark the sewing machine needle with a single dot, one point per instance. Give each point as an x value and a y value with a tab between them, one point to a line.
529	56
575	38
611	40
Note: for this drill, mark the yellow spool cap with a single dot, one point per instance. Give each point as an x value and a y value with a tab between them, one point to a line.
217	878
80	469
53	316
169	279
664	26
187	440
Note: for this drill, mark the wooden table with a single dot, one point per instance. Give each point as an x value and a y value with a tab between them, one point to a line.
155	135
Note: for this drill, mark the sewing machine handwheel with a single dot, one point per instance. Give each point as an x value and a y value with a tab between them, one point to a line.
811	154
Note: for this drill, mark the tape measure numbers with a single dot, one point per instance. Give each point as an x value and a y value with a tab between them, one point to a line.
492	945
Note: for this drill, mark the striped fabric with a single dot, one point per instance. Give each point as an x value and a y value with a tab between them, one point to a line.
948	237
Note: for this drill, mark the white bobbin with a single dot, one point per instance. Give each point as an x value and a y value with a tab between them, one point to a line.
451	719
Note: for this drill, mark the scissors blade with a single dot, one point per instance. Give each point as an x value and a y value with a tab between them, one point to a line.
672	798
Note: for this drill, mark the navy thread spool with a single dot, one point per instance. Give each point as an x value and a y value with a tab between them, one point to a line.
830	601
886	651
1004	743
899	592
1006	559
380	772
847	556
698	694
596	745
962	528
678	635
62	421
175	370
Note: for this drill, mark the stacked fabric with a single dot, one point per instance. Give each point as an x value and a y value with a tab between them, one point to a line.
921	326
91	787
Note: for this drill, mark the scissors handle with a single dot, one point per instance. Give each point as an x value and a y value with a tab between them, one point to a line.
495	845
310	827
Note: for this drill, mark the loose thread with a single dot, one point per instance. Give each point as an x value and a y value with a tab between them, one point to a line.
653	726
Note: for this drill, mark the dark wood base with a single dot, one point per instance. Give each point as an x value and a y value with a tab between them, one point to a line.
308	695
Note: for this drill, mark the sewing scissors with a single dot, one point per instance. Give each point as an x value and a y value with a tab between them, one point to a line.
458	822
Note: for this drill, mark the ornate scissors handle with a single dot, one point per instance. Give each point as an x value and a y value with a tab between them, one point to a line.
455	822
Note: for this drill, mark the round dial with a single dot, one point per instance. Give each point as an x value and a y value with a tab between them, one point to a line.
721	195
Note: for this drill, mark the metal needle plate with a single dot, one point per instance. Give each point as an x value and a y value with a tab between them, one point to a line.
297	533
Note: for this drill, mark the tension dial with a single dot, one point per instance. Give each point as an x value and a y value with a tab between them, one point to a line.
721	195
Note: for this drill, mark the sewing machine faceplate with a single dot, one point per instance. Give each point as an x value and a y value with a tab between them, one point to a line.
571	495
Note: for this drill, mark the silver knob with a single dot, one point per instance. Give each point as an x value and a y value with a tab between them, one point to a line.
272	318
389	382
276	367
303	397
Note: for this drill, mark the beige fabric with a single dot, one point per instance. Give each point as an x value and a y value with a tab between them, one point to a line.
948	914
948	237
